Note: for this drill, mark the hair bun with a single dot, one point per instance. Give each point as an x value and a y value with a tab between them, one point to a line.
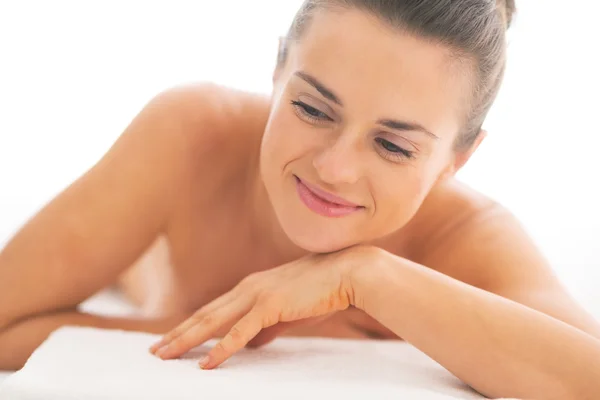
507	9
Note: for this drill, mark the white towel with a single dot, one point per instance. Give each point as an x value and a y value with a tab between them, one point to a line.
85	363
4	375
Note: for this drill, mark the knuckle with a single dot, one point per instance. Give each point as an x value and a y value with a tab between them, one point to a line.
197	316
271	301
249	280
255	280
269	309
172	335
208	320
178	342
221	347
236	335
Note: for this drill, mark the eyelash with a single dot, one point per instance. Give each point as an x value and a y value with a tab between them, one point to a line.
398	154
307	112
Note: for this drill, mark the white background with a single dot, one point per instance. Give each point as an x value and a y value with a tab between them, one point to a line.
74	73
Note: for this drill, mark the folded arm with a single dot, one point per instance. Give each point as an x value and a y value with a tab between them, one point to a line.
523	336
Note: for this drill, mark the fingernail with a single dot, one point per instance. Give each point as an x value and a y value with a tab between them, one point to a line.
204	362
162	351
157	346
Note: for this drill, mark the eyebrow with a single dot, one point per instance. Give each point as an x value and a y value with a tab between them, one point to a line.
389	123
314	82
406	126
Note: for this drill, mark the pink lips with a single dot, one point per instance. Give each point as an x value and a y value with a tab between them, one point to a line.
322	202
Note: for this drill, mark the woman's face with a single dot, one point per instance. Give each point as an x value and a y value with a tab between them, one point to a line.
361	128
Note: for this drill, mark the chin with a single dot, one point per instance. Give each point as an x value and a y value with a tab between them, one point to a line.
313	245
317	238
307	228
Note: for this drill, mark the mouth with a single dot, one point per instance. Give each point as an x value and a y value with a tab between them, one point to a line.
324	203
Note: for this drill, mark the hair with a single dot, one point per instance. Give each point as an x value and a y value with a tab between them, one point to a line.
474	31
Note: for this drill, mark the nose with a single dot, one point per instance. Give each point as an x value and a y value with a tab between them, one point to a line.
338	162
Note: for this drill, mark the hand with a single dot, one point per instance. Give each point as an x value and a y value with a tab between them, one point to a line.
313	286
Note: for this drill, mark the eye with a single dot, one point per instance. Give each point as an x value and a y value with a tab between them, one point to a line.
393	151
309	112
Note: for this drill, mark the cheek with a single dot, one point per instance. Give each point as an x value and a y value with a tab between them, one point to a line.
402	192
399	196
285	140
273	143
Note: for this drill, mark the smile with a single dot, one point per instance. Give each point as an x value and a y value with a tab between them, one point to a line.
324	203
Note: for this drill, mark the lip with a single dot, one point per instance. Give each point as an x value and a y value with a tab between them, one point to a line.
331	198
324	203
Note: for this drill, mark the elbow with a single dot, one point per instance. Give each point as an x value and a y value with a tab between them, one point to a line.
7	361
13	355
6	322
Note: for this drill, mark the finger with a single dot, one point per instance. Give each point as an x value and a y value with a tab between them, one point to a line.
267	335
239	335
198	316
203	329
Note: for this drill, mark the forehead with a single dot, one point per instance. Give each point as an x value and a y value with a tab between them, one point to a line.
377	70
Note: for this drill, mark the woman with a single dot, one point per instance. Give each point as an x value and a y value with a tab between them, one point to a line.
327	209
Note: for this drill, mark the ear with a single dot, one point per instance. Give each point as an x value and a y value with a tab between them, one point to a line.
461	157
464	156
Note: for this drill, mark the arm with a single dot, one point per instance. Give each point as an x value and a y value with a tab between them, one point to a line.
82	240
23	337
498	346
495	344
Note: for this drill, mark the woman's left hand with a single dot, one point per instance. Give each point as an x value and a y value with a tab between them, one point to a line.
313	286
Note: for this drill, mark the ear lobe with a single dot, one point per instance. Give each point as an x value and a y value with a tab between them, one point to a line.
461	158
464	156
448	172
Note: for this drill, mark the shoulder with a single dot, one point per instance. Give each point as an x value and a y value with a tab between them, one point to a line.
197	102
200	133
185	139
483	244
475	239
209	116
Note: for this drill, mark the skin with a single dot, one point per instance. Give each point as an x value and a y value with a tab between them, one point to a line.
194	212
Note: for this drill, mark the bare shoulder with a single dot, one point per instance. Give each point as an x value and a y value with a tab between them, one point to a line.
474	239
213	117
477	240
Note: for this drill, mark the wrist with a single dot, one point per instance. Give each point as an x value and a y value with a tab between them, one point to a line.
366	270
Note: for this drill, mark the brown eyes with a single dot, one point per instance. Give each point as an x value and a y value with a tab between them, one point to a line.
390	150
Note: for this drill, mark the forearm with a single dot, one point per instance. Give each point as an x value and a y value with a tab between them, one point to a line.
495	345
20	339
